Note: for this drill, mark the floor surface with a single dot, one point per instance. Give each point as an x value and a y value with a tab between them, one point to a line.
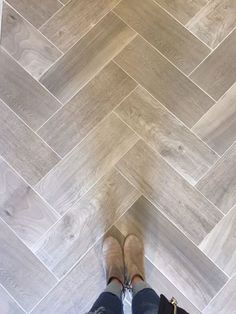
117	117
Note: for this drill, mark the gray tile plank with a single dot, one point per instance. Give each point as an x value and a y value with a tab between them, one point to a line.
75	20
218	127
23	149
176	257
220	244
87	57
219	183
175	197
36	12
88	162
182	10
225	301
164	81
8	305
163	32
21	208
23	94
26	279
80	115
85	222
214	22
26	44
168	136
218	72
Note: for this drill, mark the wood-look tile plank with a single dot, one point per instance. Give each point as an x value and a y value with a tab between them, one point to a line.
225	301
220	244
219	184
36	12
75	20
175	197
164	81
214	22
87	57
22	148
163	32
176	257
72	123
85	223
168	136
21	208
218	72
182	10
23	94
22	274
8	305
218	127
77	292
88	162
26	44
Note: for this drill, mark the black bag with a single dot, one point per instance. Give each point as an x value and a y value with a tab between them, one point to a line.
169	307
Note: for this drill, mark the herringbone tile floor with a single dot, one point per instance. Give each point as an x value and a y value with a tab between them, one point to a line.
117	116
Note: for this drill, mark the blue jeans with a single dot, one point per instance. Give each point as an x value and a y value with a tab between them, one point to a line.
145	301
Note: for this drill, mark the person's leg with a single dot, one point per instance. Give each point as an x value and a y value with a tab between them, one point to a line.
110	301
145	300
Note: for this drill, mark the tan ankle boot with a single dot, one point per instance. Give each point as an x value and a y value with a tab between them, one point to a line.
113	260
134	258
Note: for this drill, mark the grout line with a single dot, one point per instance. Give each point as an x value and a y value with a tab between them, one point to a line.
218	161
80	142
26	246
151	45
213	107
37	81
61	3
27	183
199	64
194	35
52	16
36	29
216	295
170	221
9	294
27	126
173	115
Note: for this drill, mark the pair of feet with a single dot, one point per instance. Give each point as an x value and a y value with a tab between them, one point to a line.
126	265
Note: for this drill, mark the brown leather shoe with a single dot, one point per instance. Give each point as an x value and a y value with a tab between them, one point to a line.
134	258
113	260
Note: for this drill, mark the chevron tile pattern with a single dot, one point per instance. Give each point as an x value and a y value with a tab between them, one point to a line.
117	116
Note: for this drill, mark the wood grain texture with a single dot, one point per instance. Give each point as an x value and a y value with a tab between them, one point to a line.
217	127
86	279
175	143
86	222
26	279
80	115
225	301
176	198
164	81
36	12
219	244
23	94
163	32
182	10
22	148
26	44
173	254
8	305
87	57
214	22
96	155
219	183
21	208
218	72
75	20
